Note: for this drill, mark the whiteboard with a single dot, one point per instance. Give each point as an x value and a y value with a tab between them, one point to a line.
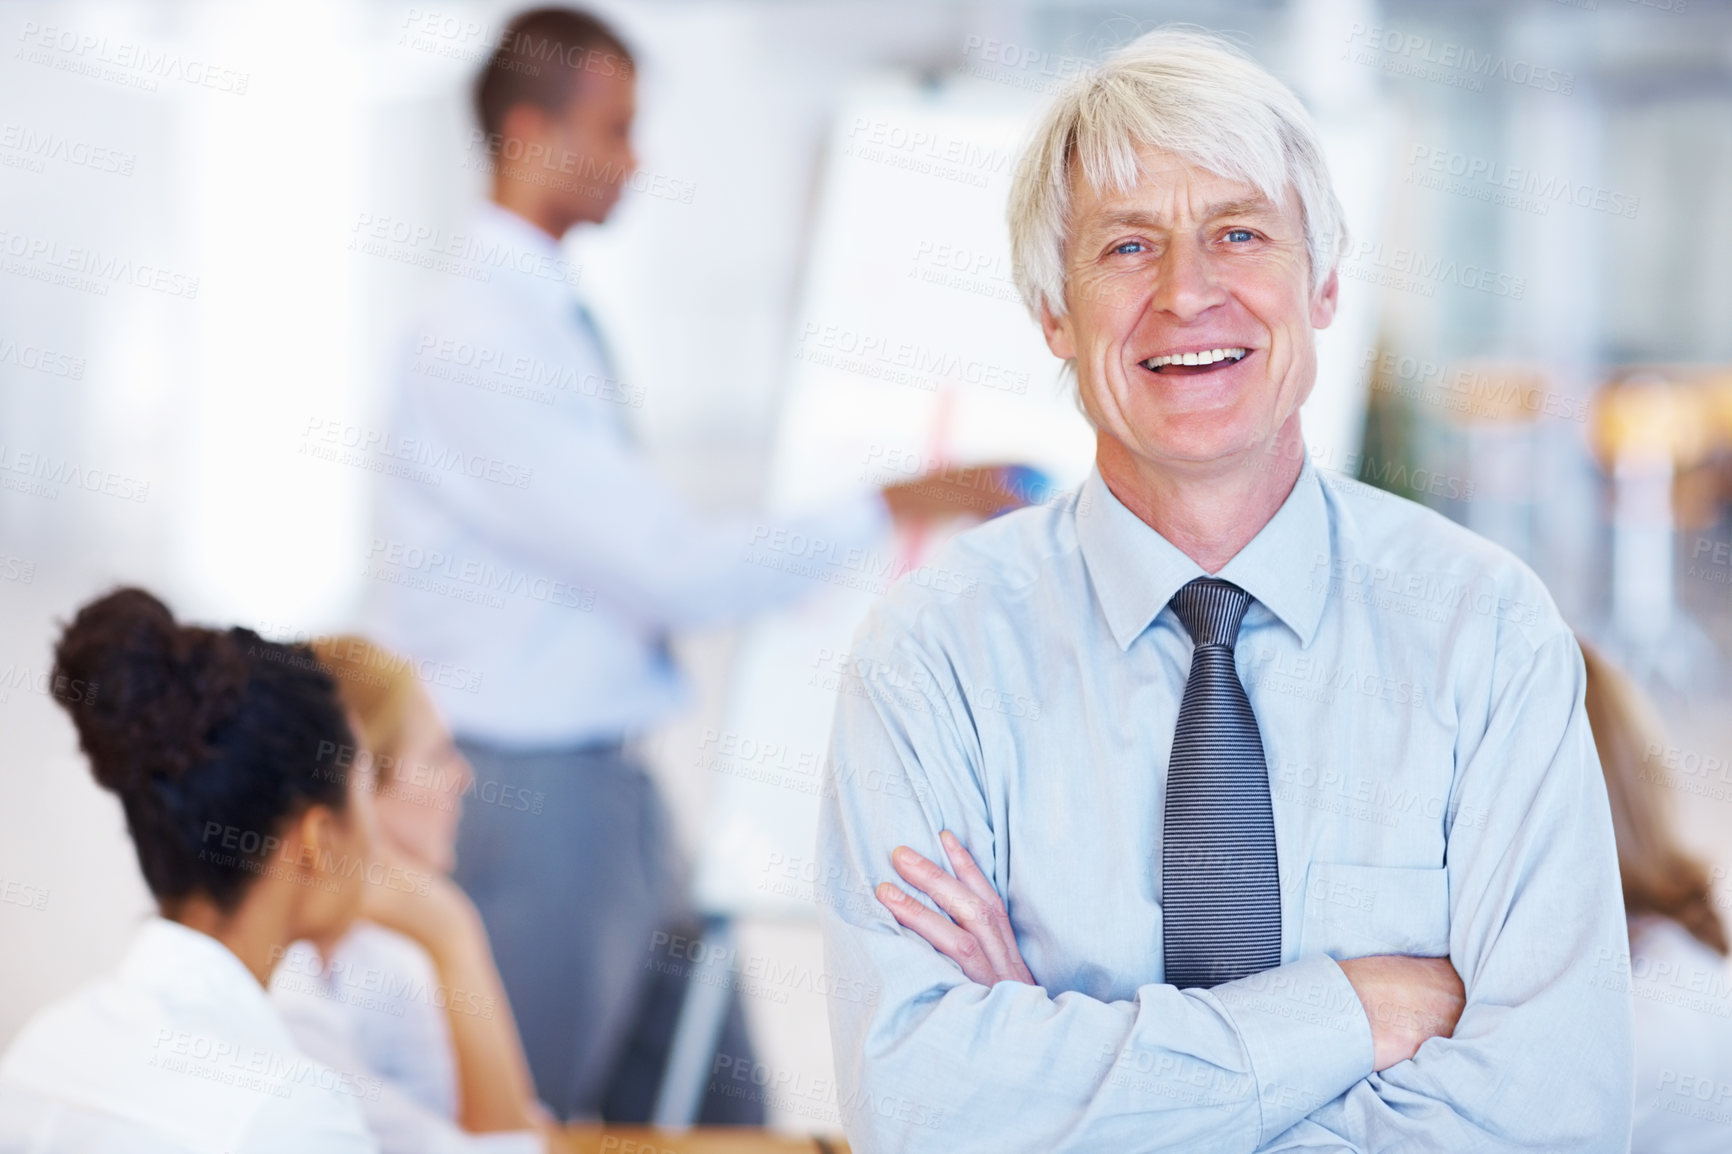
911	350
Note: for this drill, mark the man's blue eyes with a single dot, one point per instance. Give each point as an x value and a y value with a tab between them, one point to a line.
1235	235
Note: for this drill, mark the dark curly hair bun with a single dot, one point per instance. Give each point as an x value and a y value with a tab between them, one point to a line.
213	739
159	689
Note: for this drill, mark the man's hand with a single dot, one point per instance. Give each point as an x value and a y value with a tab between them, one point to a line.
1407	1000
978	490
979	939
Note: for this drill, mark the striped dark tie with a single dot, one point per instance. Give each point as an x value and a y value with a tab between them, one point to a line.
1220	883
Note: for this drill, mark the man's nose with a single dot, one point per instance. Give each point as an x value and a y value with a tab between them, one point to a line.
1188	285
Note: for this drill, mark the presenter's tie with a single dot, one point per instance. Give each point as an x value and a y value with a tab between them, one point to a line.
609	388
1220	882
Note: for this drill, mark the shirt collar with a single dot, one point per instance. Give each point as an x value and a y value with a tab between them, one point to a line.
500	223
1135	571
188	966
520	253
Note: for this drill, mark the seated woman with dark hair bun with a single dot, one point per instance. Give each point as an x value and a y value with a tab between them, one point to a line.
218	746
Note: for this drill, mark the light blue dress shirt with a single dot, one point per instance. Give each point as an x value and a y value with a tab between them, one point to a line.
1436	792
526	554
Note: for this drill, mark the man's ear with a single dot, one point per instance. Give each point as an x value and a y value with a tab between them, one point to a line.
1325	300
1057	332
525	122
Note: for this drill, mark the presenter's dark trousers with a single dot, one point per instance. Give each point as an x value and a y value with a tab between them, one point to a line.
570	857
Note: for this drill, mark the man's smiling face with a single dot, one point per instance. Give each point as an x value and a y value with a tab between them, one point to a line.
1190	315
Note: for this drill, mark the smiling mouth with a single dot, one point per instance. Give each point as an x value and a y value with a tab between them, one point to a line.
1201	361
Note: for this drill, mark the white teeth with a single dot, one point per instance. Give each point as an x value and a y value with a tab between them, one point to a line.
1207	357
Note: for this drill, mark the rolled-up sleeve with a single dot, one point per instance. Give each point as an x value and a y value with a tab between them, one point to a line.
933	1060
1541	1058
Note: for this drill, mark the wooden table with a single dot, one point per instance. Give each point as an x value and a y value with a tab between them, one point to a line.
597	1139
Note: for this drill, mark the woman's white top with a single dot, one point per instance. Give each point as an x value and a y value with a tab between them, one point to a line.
376	1009
1682	992
180	1051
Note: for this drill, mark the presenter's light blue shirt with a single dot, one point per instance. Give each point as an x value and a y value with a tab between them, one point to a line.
1436	792
526	553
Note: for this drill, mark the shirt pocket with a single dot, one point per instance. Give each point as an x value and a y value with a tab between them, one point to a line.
1355	911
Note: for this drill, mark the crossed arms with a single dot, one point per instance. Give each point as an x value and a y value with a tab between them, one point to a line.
1406	999
1291	1059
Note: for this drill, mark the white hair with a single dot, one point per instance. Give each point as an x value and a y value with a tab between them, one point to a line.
1188	93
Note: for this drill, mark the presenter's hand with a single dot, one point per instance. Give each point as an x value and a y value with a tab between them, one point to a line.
977	935
977	490
1407	1001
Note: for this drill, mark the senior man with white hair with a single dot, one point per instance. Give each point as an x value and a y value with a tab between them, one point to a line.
1295	837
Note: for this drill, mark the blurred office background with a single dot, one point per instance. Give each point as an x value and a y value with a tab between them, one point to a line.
217	218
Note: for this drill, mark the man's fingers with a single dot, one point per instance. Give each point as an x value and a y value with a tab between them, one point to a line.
968	911
940	932
929	878
970	875
962	864
952	896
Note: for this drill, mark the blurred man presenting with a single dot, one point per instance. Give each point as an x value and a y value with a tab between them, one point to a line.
543	579
1300	841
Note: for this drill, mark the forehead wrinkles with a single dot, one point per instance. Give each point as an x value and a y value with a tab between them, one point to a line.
1184	195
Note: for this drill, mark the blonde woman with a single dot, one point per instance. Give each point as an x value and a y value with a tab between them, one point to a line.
411	995
1678	975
